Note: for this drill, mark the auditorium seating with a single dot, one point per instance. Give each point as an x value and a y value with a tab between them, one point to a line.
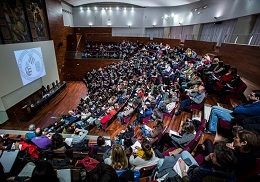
236	93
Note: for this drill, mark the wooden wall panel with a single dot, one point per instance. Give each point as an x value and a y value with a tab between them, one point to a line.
93	31
58	33
117	39
171	42
77	68
245	58
201	47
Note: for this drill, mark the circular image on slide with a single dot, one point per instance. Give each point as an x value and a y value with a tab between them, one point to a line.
30	64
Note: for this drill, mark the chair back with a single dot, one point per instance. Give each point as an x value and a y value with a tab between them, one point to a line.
147	171
191	146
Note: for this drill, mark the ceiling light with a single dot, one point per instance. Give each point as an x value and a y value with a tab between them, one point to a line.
172	15
117	8
110	8
165	16
199	12
205	7
195	9
95	8
81	8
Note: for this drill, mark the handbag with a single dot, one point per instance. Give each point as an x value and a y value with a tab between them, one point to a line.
89	163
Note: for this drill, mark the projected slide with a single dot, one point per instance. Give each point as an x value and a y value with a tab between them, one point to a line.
30	64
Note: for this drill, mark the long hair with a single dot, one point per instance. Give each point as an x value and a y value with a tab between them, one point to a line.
188	127
57	141
43	172
118	157
147	148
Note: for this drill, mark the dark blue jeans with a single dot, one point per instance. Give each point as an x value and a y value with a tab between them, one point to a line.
184	103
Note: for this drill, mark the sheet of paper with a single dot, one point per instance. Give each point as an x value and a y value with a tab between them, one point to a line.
108	142
174	133
68	141
177	169
136	144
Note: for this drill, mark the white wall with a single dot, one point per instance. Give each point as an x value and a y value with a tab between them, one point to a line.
67	15
147	17
12	90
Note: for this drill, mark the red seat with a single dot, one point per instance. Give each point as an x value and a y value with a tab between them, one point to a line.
235	93
147	171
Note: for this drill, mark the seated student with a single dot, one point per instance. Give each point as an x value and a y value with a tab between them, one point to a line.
226	78
31	133
42	141
118	159
79	135
101	145
250	108
152	132
144	111
144	156
219	167
128	133
246	145
58	142
127	112
194	97
188	134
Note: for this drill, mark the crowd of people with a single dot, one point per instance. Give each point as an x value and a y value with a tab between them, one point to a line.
149	84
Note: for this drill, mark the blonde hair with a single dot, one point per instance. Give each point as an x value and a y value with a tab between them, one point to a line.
118	157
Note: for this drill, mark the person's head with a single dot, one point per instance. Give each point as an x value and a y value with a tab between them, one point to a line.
38	132
246	141
101	141
118	157
233	71
188	128
147	148
57	141
254	96
103	173
201	88
31	127
43	172
224	157
129	128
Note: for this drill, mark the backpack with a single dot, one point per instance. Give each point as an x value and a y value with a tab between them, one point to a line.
89	163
